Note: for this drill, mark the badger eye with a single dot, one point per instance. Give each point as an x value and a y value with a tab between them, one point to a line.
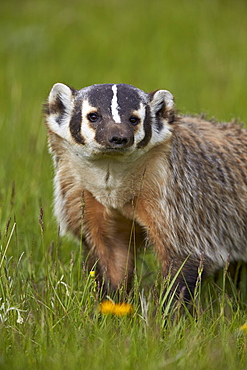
93	117
134	120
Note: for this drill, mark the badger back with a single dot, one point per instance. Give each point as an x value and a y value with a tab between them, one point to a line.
207	197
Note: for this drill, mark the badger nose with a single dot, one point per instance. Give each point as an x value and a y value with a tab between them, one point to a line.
118	141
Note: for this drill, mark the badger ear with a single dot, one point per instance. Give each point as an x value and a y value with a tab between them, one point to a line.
59	109
60	99
162	104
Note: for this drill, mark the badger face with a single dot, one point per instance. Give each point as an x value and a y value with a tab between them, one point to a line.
108	119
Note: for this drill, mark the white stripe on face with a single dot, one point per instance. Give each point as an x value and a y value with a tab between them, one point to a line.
114	105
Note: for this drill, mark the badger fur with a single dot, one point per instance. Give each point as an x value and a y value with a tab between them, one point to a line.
129	171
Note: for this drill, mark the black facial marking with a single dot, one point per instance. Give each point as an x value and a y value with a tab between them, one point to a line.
100	97
75	124
129	99
147	129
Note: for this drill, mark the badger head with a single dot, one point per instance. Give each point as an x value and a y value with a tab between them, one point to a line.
108	119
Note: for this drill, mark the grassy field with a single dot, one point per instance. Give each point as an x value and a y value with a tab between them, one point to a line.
49	315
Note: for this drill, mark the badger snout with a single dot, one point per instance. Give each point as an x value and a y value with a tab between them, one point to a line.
115	137
119	141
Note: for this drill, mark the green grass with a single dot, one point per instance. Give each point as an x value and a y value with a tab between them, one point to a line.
49	315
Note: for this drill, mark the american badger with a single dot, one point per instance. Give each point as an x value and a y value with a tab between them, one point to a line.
128	169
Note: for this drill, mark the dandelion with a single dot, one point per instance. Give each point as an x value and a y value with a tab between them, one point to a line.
93	280
243	328
118	309
92	274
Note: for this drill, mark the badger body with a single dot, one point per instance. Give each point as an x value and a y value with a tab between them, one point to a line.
129	171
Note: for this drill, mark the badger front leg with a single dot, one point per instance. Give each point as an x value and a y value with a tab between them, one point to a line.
110	244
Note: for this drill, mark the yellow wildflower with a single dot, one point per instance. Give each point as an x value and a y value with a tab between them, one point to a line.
243	328
119	309
92	274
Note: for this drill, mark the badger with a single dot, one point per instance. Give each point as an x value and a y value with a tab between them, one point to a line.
131	171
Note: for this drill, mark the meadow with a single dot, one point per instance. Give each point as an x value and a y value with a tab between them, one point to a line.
49	303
